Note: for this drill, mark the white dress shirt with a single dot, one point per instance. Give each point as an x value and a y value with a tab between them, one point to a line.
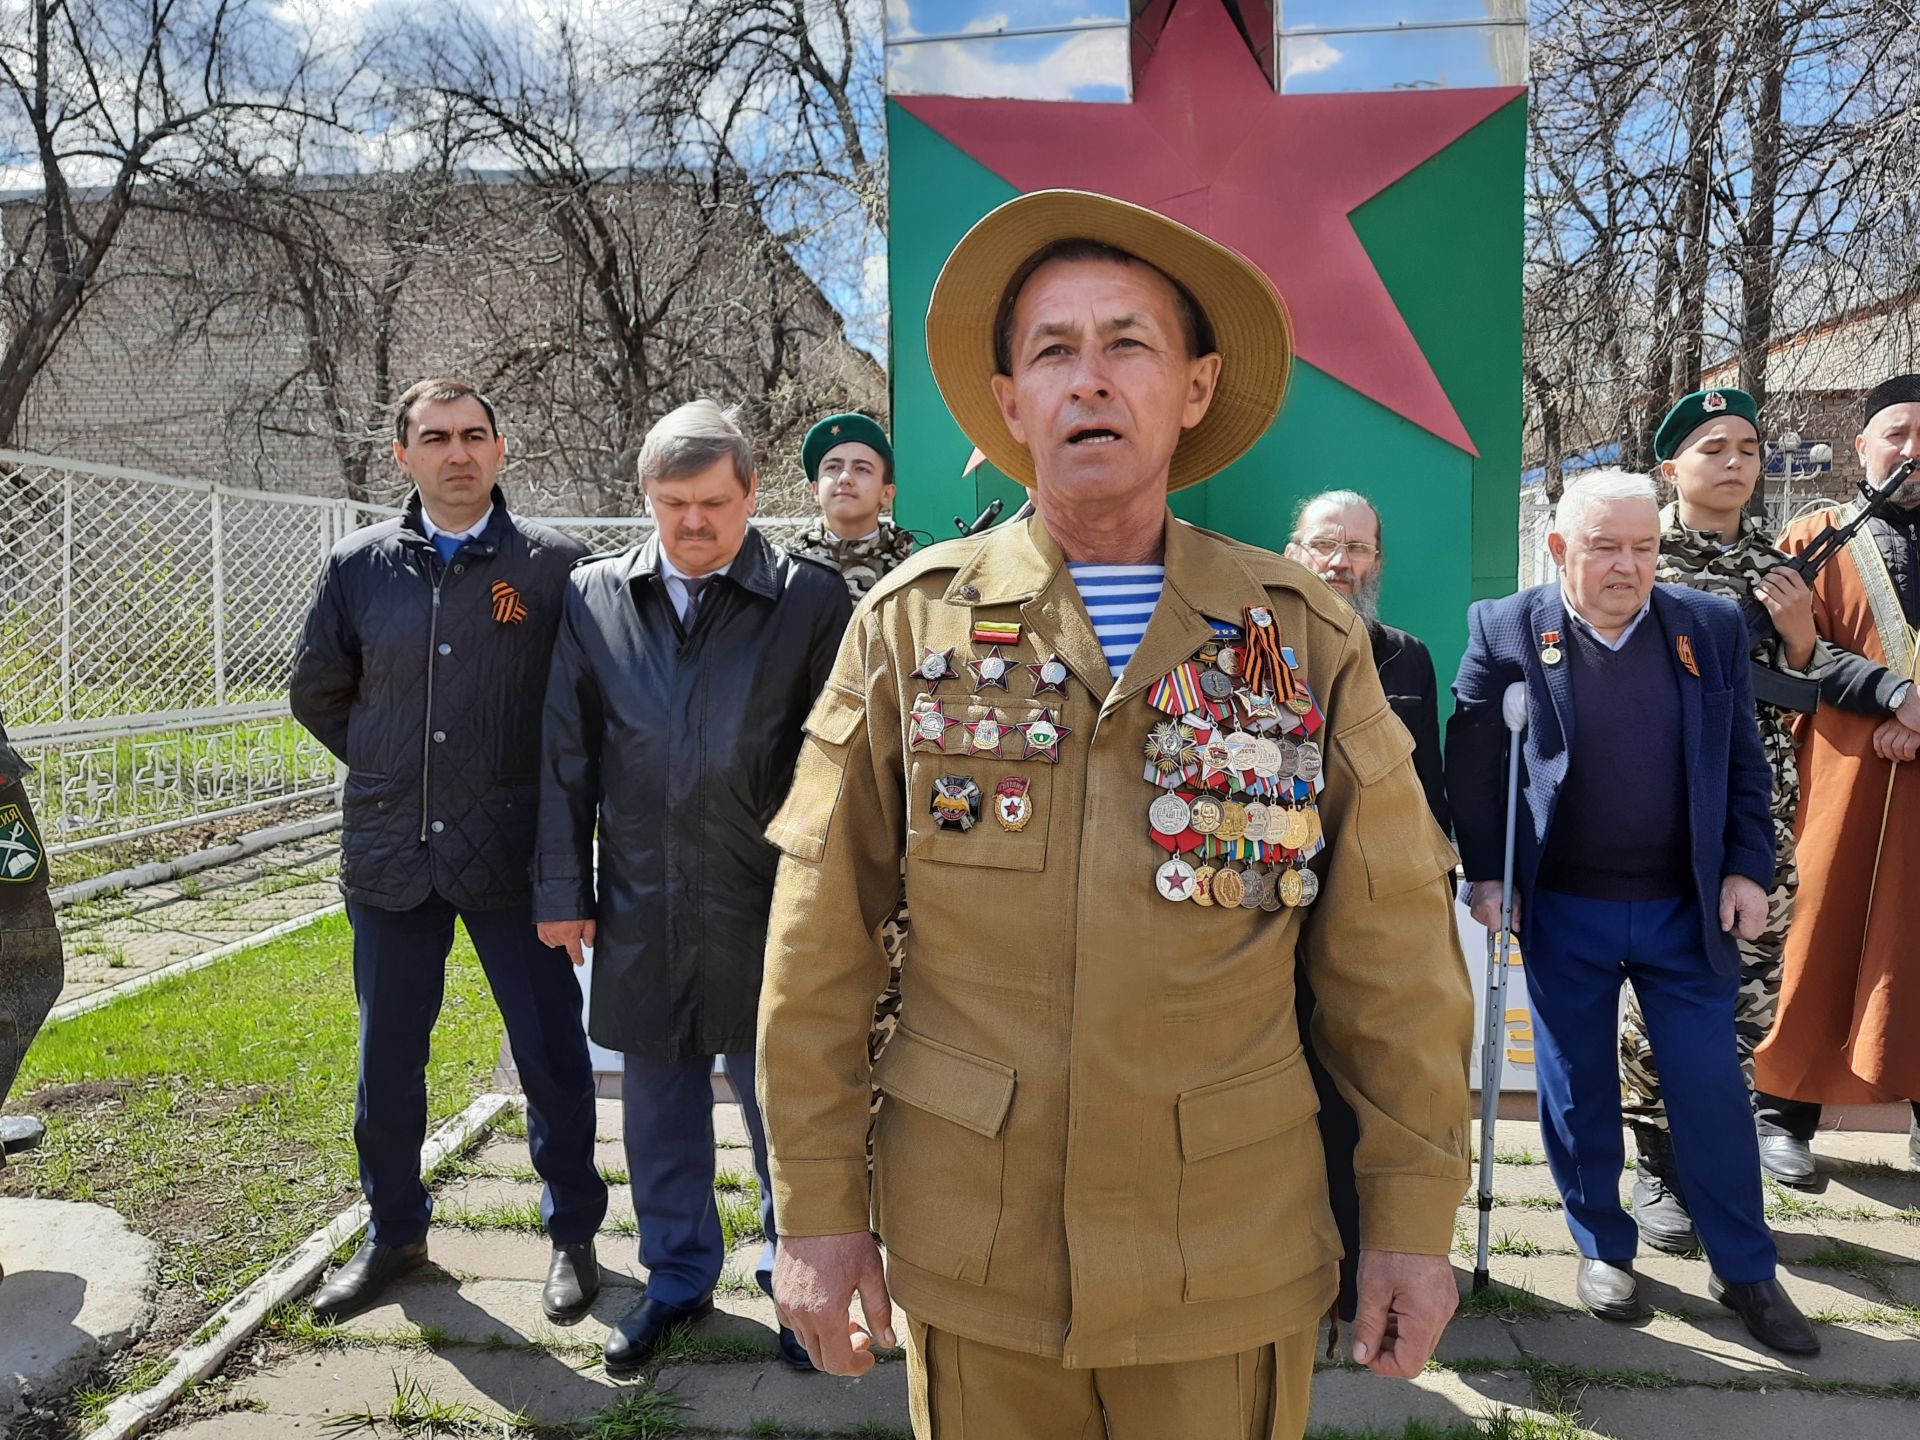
1587	625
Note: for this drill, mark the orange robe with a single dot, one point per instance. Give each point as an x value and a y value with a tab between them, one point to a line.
1848	1030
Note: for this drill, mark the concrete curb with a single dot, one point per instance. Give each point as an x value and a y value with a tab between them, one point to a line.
161	871
94	999
208	1349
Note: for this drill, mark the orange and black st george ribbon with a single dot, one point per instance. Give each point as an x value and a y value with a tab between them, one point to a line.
507	606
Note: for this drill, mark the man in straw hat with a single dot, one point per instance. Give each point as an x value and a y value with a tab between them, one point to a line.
1137	772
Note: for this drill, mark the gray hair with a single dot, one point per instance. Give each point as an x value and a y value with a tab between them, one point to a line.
1343	499
693	438
1595	486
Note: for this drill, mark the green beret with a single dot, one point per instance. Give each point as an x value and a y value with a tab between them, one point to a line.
838	430
1696	410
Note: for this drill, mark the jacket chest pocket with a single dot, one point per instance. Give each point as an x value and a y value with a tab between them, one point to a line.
1010	802
1253	1137
939	1155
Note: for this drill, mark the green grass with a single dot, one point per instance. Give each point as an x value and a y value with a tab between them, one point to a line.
414	1410
214	1110
1501	1425
1844	1255
636	1415
1507	1243
1505	1302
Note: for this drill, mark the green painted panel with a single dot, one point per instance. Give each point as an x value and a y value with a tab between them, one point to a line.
1461	299
937	192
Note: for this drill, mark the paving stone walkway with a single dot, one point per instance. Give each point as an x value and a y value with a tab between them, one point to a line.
114	938
461	1346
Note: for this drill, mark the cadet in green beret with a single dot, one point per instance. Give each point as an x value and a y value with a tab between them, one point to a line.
1710	453
849	463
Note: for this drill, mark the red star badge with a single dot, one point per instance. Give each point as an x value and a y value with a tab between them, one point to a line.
1208	142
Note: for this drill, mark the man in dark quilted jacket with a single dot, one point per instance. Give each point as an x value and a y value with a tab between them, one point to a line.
422	667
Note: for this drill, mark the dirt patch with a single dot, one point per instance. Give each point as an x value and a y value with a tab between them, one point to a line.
71	1099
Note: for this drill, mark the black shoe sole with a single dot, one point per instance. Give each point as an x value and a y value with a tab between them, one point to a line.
1714	1289
1811	1182
367	1299
1617	1314
1687	1244
628	1369
569	1316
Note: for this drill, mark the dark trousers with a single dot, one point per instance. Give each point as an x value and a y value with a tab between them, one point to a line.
670	1161
399	975
1578	954
1339	1138
1777	1115
31	970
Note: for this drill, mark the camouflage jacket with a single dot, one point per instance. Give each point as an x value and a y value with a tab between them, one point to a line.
1697	559
861	563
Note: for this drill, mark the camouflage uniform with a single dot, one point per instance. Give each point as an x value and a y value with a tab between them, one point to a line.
862	563
31	969
1693	558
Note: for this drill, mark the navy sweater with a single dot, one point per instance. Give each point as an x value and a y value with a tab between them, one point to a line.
1620	822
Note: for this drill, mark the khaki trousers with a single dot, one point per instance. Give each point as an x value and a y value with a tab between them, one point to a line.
960	1389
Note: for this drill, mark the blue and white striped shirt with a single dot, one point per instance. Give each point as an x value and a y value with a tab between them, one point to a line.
1119	601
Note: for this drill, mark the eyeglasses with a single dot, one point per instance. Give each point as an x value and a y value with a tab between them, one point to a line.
1322	548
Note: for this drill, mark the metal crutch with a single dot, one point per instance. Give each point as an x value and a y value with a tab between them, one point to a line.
1513	710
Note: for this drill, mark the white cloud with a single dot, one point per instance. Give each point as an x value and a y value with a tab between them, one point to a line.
1092	58
1308	55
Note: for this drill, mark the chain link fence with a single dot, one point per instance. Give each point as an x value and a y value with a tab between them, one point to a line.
147	626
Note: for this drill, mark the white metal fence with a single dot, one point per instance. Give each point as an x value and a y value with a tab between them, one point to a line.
147	625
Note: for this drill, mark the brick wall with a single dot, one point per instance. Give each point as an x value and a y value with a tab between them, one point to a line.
192	356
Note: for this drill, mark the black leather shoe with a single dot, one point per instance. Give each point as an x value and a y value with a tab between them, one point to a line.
793	1352
1608	1289
359	1282
20	1132
1658	1210
1788	1159
641	1332
1769	1312
573	1279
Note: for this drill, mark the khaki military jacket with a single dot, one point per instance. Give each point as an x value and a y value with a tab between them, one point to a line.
1098	1140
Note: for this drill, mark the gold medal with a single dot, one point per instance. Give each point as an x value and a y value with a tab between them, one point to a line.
1227	889
1294	831
1314	828
1290	887
1299	702
1203	885
1207	813
1233	821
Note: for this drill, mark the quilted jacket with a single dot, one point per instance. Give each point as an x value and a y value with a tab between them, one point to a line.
426	678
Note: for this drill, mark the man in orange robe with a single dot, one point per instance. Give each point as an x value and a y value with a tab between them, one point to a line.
1848	1030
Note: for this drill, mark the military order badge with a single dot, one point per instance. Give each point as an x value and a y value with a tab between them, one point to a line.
1012	807
956	802
20	849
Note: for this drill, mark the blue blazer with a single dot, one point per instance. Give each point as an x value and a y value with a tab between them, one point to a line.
1728	782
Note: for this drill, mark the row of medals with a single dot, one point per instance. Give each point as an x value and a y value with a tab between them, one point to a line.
1174	751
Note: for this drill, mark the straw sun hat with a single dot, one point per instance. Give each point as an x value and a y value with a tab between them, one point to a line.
1248	318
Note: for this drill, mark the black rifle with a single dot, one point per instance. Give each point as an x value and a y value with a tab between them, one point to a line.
985	518
1797	692
988	516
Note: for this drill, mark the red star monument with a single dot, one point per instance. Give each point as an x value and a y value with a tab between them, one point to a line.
1208	142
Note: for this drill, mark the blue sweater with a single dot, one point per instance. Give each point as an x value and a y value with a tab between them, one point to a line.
1620	829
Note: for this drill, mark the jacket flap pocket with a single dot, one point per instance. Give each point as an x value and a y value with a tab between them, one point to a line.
836	715
1376	745
1224	1116
943	1081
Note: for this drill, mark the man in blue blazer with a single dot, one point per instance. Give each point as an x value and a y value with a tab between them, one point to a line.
1642	848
